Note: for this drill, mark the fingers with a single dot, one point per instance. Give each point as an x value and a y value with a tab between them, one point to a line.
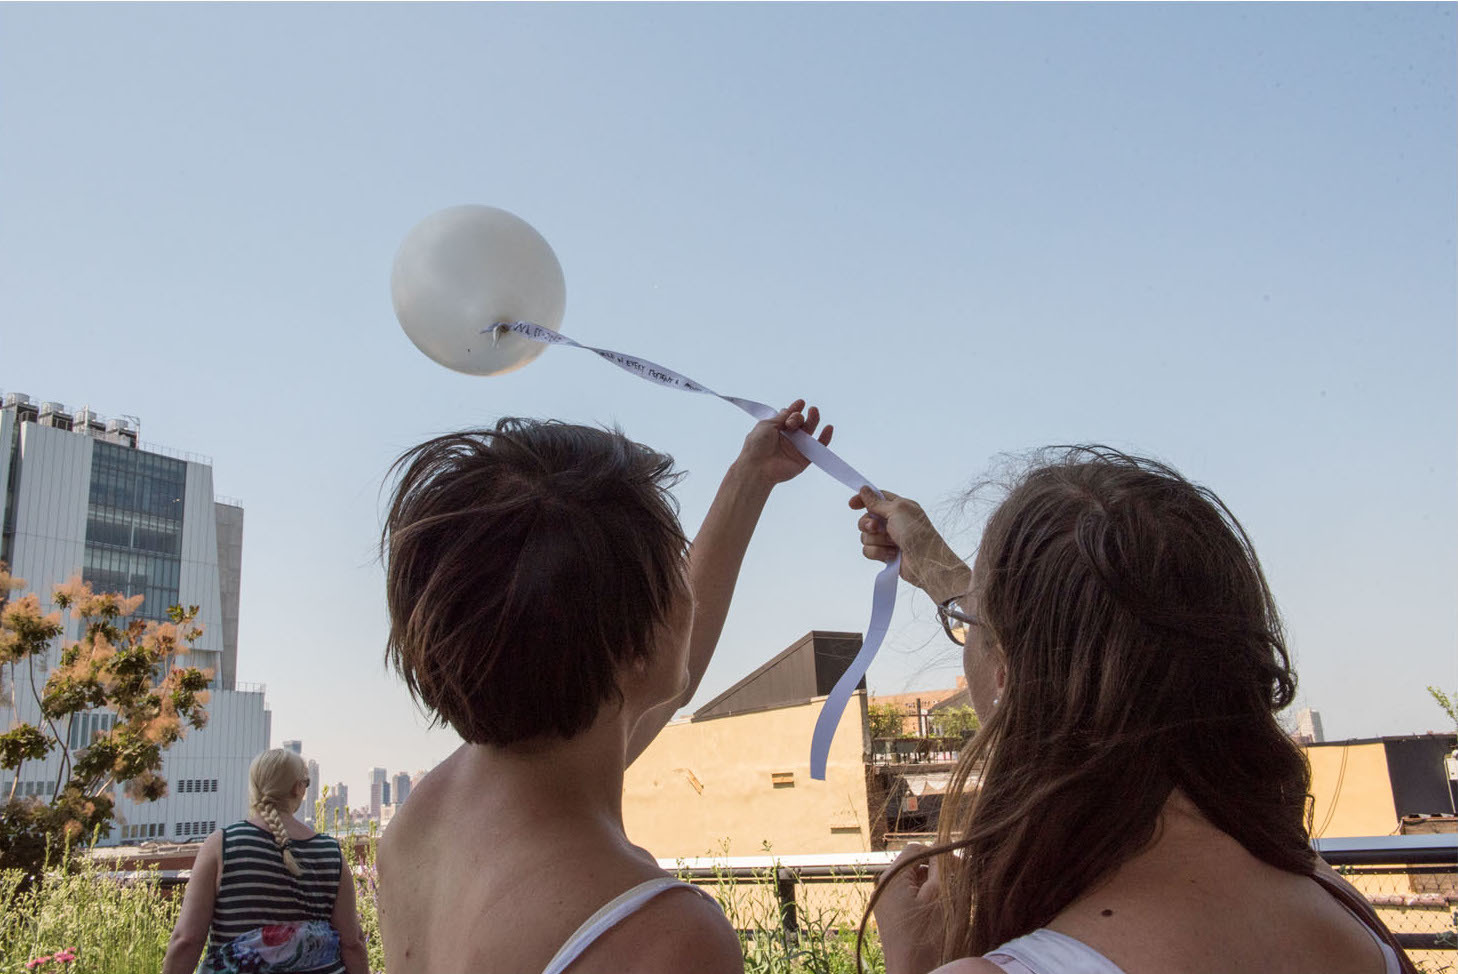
791	419
870	502
879	552
876	544
812	420
866	500
912	848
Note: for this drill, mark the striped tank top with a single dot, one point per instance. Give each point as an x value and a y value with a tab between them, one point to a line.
257	889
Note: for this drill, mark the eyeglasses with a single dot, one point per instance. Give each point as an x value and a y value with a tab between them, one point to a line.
955	620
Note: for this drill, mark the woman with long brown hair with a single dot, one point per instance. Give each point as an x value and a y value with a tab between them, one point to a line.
1130	805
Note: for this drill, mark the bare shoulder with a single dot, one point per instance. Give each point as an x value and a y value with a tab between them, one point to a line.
210	853
677	931
970	965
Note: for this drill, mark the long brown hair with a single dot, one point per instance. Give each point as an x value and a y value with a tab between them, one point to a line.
1144	653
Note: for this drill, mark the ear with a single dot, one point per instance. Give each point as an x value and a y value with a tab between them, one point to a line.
1000	673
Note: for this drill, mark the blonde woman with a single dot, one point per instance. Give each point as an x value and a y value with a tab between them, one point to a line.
269	894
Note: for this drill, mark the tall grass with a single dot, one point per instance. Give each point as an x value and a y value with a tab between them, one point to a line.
122	927
826	918
110	927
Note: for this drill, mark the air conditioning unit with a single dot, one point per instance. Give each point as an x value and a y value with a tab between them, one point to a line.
54	415
88	421
121	432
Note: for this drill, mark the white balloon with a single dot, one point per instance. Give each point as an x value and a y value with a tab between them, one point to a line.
466	268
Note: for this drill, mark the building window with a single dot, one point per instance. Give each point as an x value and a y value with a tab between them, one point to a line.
134	526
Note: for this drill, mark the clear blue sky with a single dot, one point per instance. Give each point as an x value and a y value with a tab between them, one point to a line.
1223	235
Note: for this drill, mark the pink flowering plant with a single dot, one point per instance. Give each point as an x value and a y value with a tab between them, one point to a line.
59	961
124	664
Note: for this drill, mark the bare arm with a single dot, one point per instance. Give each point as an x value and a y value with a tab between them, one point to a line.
190	936
767	459
895	524
345	921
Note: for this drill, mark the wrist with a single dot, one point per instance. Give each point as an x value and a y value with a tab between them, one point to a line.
947	583
745	480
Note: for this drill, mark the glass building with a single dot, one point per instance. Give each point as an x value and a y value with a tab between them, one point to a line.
82	496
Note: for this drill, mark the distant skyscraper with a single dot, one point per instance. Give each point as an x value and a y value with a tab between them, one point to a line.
296	746
402	787
336	808
385	793
377	791
1308	727
311	798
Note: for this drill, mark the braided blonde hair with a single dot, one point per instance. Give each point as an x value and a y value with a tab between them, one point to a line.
271	781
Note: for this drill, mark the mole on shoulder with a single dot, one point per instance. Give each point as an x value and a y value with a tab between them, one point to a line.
1107	913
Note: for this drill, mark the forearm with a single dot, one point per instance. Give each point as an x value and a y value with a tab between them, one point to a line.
714	563
355	957
183	954
949	580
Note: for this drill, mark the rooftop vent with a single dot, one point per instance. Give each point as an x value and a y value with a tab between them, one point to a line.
120	431
88	421
16	399
54	415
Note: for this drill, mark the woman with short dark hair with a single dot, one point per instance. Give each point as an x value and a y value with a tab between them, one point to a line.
545	604
1130	804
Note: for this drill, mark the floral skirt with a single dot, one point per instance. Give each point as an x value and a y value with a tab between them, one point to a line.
283	948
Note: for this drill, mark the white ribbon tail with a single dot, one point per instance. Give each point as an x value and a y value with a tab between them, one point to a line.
883	602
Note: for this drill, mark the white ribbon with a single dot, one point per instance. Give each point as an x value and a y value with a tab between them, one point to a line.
883	598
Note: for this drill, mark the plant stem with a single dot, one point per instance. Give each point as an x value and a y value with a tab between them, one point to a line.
55	734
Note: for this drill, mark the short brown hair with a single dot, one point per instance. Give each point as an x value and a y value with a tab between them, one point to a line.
524	565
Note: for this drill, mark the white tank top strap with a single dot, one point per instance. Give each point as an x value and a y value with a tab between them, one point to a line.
612	913
1390	963
1046	951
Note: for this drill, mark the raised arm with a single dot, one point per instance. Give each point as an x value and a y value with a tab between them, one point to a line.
893	524
767	459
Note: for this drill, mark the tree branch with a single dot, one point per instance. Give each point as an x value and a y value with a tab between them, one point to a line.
55	734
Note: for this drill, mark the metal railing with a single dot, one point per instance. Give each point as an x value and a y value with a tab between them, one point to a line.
174	453
892	751
1411	880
